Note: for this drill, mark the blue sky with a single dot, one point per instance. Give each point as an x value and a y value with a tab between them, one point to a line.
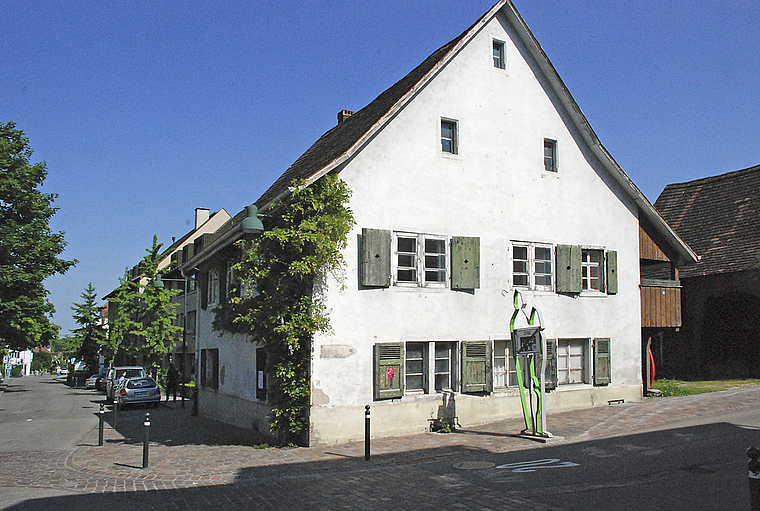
144	111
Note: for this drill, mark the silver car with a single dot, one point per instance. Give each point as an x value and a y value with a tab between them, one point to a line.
117	373
138	391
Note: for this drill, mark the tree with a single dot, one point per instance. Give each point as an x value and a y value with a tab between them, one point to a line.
156	314
29	249
118	341
90	335
145	315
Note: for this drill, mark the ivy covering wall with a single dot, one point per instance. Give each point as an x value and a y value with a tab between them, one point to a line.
302	243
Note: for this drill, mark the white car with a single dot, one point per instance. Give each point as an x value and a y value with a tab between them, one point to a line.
92	381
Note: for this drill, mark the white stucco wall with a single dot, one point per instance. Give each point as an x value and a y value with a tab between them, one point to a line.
494	188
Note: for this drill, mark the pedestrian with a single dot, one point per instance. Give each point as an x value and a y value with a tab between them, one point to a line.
171	382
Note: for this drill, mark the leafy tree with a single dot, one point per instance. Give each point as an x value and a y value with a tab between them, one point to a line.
42	361
119	340
90	335
145	315
28	248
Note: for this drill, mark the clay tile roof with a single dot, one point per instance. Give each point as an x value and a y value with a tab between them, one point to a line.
719	217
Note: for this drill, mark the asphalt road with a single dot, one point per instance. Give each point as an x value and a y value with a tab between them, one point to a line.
694	460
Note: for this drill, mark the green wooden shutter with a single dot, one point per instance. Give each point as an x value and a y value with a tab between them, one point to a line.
477	374
550	375
376	258
602	366
569	269
389	370
612	277
465	263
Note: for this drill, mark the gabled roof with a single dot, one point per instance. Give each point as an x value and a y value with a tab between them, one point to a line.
720	217
339	145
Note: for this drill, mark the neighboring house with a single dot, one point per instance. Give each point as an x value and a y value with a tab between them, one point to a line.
719	217
183	354
473	176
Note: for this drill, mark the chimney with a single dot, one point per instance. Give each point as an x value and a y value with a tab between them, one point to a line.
343	115
201	215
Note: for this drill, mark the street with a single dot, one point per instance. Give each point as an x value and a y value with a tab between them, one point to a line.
666	454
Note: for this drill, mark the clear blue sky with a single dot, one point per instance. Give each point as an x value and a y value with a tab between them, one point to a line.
144	111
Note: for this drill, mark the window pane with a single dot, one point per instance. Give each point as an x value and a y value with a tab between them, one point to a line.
520	253
435	276
520	266
435	261
407	245
435	246
406	261
543	253
414	350
521	280
406	276
442	382
414	366
414	382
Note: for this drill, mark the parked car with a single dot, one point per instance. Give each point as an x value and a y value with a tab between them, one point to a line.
115	373
138	390
92	381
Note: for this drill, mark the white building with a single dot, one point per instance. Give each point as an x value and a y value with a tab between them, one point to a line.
474	175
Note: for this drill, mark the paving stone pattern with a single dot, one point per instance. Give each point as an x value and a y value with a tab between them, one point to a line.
201	464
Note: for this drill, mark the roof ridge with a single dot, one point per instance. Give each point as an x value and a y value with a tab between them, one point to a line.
712	179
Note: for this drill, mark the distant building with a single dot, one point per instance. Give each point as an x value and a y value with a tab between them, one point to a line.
719	217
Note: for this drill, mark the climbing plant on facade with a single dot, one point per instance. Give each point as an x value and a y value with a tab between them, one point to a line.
281	308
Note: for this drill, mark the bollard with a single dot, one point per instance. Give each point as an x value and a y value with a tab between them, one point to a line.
754	478
366	433
184	389
115	412
101	413
146	442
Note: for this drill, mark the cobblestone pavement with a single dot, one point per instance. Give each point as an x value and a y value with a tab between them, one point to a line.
195	462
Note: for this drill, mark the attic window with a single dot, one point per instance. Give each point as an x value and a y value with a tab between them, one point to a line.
449	136
550	155
499	56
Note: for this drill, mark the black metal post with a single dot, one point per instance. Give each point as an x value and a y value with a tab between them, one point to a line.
101	413
146	442
183	394
754	478
366	432
115	411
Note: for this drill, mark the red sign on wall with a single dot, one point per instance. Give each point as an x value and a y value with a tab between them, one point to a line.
391	373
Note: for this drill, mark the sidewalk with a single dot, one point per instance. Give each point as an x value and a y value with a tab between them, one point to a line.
188	451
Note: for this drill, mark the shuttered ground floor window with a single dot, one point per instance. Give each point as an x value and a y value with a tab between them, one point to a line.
430	365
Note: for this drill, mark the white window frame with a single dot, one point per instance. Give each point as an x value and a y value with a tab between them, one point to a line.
573	361
419	261
587	267
433	367
453	140
500	60
531	263
552	144
504	376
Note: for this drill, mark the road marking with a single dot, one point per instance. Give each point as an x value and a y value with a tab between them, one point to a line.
532	466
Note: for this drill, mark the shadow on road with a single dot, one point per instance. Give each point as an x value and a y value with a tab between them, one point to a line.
701	467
